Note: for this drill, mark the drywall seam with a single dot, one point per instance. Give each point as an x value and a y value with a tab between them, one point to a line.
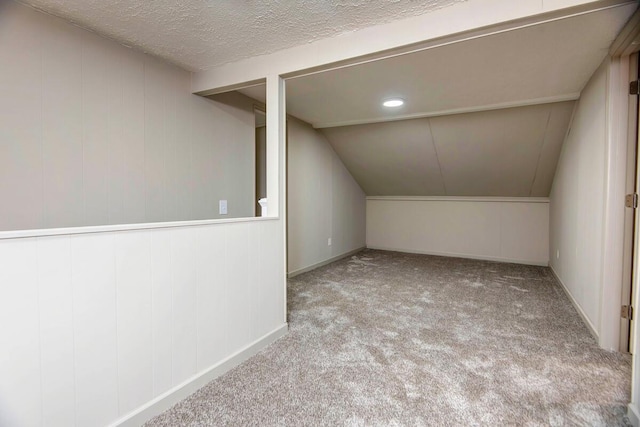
542	144
435	150
582	314
323	263
179	392
460	255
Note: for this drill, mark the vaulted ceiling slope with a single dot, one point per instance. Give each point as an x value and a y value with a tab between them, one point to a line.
483	117
509	153
202	34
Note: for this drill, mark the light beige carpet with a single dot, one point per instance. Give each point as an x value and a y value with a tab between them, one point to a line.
390	339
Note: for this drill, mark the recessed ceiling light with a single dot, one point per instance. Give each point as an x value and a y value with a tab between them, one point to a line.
394	102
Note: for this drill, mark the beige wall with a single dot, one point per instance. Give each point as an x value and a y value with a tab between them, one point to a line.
501	229
92	133
324	201
577	202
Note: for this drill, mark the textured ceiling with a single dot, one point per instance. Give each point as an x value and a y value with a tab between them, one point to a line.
198	34
550	62
511	153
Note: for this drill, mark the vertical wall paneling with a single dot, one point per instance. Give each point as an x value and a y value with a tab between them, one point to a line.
516	222
272	273
20	102
62	125
56	330
258	288
174	152
238	291
512	230
134	328
211	296
324	201
206	163
181	192
94	314
161	310
95	128
118	179
132	196
183	275
156	109
578	200
95	326
20	386
100	324
93	133
235	123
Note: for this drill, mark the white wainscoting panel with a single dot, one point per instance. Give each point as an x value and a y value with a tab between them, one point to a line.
134	319
55	296
500	229
93	267
98	328
20	369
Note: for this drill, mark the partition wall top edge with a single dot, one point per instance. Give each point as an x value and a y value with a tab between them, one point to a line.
20	234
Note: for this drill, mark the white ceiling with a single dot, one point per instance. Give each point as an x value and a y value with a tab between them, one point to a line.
542	63
510	153
202	34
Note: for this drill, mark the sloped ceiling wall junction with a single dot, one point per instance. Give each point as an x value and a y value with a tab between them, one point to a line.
484	117
510	153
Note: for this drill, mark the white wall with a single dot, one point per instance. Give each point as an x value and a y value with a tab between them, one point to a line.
324	201
105	326
93	133
501	229
577	202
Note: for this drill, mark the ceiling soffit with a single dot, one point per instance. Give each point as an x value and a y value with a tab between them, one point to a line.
539	64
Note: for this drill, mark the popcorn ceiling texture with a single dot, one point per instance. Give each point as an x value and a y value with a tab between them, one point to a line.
390	339
206	33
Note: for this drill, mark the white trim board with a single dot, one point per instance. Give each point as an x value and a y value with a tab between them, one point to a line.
20	234
465	110
323	263
582	314
181	391
461	199
459	255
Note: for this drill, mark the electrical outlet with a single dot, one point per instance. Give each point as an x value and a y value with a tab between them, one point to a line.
222	205
558	254
329	241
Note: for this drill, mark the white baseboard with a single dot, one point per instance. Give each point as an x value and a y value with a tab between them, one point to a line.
633	414
460	255
171	397
577	306
322	263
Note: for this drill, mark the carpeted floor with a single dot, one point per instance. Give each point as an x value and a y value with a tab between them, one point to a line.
390	339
